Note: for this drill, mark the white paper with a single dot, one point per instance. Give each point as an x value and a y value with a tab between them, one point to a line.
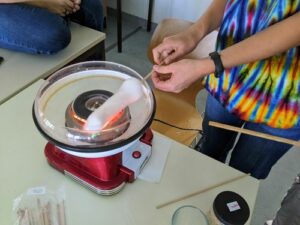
154	168
233	206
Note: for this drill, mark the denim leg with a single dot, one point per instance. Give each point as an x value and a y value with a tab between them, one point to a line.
257	155
216	142
32	29
289	212
90	14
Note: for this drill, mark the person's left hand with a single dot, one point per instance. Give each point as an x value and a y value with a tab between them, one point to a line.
182	74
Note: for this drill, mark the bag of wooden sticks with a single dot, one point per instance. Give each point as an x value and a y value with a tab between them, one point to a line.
41	206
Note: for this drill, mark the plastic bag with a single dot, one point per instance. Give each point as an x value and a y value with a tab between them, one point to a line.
40	206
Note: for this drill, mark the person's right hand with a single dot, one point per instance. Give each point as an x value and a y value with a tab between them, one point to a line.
181	74
173	48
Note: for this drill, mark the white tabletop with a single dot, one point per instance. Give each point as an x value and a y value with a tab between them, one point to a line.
20	70
23	165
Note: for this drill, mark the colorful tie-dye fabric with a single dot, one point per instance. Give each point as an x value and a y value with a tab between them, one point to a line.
267	91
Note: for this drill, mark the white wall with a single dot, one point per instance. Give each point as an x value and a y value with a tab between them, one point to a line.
182	9
188	9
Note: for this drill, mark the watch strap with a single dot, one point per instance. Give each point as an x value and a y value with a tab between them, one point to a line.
216	58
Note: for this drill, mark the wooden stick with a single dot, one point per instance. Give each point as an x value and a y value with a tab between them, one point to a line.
254	133
164	77
26	220
61	213
58	212
22	217
30	216
40	212
48	213
202	191
148	75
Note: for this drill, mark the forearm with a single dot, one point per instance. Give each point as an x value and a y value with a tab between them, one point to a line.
209	21
272	41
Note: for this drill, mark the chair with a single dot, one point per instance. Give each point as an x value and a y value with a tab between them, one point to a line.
179	109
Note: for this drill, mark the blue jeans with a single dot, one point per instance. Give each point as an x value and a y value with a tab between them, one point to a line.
250	154
35	30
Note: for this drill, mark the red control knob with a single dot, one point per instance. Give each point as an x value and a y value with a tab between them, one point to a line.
136	154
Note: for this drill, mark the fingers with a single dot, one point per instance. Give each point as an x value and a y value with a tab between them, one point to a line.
163	69
69	6
76	8
172	56
160	84
169	50
164	55
160	53
162	77
76	5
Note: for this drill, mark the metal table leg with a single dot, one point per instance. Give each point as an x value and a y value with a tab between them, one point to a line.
119	21
149	21
119	25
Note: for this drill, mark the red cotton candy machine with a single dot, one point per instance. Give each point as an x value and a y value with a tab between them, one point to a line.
101	160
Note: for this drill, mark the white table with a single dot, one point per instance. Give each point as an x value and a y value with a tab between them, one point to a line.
19	70
23	165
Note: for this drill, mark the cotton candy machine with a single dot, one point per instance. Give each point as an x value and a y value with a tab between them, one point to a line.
102	160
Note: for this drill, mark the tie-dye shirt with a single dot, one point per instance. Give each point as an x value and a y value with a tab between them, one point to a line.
266	91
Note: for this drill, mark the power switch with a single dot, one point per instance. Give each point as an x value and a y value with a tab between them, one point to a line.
136	154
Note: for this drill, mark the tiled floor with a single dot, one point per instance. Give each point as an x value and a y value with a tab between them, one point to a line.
135	43
134	55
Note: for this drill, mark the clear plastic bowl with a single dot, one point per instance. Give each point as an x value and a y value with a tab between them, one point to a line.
56	96
189	215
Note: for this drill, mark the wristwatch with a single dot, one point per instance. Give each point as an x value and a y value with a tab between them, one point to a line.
216	58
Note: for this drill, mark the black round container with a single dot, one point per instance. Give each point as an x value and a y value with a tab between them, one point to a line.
231	208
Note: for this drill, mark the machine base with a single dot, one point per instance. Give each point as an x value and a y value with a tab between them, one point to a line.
106	175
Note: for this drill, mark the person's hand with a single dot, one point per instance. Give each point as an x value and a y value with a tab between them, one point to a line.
182	74
173	48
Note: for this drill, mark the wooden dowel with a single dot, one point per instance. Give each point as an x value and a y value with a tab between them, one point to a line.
59	216
254	133
40	212
148	75
61	213
22	217
201	191
164	77
31	219
48	213
26	220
